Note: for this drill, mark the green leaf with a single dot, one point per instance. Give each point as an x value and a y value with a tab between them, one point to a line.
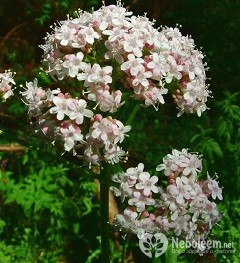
76	228
51	187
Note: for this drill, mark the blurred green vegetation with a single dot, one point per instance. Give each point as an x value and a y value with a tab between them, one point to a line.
48	206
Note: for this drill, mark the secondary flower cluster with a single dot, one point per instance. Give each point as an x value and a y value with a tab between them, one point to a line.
110	45
182	208
6	83
62	117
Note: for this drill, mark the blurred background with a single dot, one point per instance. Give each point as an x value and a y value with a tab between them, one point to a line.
48	207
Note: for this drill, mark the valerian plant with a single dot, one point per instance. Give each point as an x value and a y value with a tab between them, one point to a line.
118	57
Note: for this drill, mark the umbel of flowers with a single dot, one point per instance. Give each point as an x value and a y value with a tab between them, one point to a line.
112	52
6	85
62	117
183	208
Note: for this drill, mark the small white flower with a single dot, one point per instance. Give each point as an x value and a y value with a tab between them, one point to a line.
158	65
133	43
32	91
95	74
65	34
89	34
100	130
182	190
71	135
134	172
73	63
134	65
214	188
147	183
60	108
140	201
114	154
115	51
6	83
120	131
78	110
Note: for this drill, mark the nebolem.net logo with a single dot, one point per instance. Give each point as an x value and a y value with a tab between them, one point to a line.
156	245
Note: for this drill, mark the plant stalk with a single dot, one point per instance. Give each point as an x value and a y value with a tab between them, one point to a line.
104	214
123	250
133	113
171	255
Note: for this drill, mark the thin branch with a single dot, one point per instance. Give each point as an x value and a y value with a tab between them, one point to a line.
6	115
10	33
11	148
15	39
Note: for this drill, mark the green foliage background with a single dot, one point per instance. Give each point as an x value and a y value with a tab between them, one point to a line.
48	206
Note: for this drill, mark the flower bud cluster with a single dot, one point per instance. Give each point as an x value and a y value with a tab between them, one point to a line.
6	83
64	118
112	46
183	208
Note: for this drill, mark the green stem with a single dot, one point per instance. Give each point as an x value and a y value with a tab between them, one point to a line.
123	250
104	214
171	256
133	113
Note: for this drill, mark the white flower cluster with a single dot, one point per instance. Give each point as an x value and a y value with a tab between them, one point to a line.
183	208
138	187
110	45
105	133
63	118
6	83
